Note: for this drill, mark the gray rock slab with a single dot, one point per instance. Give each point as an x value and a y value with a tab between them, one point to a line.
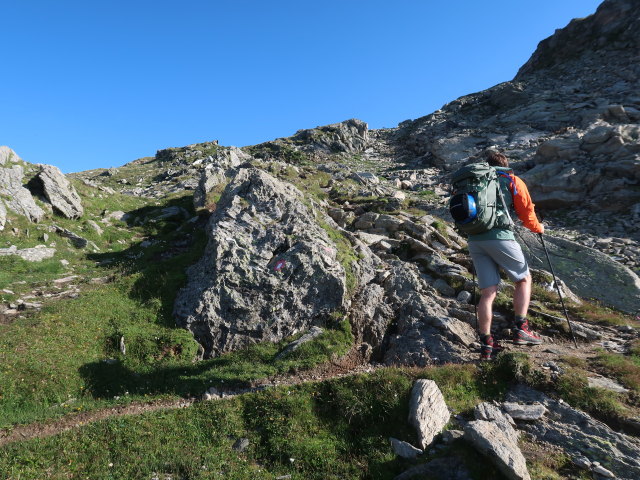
444	288
520	411
583	269
404	449
76	240
95	227
117	215
313	333
35	254
488	438
58	191
492	413
444	468
607	384
428	412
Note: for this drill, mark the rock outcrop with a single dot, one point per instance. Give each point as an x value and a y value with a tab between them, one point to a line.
572	113
54	186
268	272
581	436
17	198
8	156
218	169
350	136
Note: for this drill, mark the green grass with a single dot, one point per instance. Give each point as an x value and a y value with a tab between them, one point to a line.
61	353
345	255
337	429
624	368
55	361
593	312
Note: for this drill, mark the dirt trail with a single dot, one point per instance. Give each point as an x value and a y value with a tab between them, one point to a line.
350	364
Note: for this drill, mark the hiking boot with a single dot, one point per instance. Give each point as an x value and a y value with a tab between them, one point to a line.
490	349
522	335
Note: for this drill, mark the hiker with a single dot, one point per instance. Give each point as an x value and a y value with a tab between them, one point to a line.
497	248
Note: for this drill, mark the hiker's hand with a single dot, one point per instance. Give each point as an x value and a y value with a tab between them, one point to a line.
542	229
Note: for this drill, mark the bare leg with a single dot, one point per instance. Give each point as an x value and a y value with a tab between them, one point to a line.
521	296
485	311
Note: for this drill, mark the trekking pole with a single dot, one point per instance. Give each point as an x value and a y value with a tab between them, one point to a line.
559	293
475	305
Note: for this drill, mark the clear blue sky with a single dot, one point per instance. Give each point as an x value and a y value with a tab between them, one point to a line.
95	83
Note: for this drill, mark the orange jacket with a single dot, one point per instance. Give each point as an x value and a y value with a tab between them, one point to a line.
523	205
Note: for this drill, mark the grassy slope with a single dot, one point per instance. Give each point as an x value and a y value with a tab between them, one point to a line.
67	358
334	429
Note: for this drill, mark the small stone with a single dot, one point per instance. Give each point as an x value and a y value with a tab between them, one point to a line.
404	449
444	288
450	436
600	470
399	195
524	412
464	297
241	444
582	462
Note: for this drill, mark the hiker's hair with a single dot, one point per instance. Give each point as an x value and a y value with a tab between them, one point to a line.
496	159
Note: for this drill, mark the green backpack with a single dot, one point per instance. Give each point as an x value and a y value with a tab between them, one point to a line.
477	204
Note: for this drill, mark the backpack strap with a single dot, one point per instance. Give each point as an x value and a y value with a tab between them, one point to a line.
512	183
501	197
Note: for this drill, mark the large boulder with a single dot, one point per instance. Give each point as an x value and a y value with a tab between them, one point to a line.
269	269
490	440
17	198
584	270
428	412
54	186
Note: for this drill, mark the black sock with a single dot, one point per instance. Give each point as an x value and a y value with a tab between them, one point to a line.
486	339
519	321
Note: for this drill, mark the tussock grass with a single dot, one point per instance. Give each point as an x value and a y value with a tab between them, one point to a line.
574	388
626	369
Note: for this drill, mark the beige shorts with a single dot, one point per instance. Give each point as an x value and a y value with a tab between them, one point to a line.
490	255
